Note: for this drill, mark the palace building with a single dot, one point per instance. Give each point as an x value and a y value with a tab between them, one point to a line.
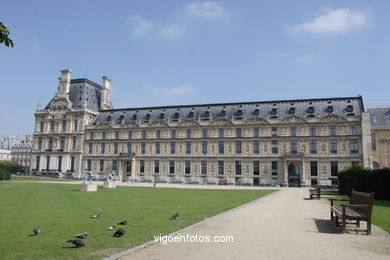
285	142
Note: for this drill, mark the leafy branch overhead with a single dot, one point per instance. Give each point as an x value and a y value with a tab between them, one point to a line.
4	36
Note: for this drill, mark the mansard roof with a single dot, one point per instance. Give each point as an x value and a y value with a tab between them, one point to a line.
380	116
304	108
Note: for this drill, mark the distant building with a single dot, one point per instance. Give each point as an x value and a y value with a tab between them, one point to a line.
380	136
21	153
7	142
5	155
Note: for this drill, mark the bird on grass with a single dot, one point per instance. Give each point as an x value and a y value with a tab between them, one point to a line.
96	216
124	222
120	232
175	216
36	231
82	236
77	242
111	228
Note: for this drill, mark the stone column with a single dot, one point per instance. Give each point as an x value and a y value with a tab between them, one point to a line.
133	177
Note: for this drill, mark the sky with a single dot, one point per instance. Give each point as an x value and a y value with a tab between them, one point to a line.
193	52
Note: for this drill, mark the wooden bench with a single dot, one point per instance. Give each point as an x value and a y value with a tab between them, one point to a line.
315	193
358	209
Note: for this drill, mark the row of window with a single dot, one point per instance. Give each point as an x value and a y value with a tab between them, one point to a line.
50	143
59	164
64	124
333	147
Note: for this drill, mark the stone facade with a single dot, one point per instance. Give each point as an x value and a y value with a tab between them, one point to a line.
21	153
5	155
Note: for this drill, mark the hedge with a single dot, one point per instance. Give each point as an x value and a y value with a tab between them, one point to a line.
4	175
365	180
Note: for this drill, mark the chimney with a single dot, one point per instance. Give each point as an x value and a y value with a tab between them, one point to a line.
106	102
64	83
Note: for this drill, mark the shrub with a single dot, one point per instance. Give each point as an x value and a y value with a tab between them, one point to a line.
11	167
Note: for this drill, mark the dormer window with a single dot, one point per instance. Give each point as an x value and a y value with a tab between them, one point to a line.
349	110
134	117
329	109
310	112
121	118
256	112
176	117
291	111
206	114
274	113
162	115
147	118
222	113
109	118
191	115
238	114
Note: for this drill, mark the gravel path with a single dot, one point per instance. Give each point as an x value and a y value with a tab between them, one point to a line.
283	225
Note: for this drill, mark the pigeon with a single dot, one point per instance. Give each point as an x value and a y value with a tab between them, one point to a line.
82	236
96	216
175	216
120	232
111	228
77	242
124	222
37	231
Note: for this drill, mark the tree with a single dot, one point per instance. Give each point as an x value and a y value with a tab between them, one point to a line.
4	35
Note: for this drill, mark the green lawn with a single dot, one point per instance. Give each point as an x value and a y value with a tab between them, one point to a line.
329	192
61	211
34	178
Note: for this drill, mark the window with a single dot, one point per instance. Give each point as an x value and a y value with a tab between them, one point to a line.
205	133
103	135
373	142
173	133
156	166
256	132
203	167
334	168
313	146
204	147
72	163
293	146
114	165
89	165
238	147
293	131
173	145
355	163
158	134
256	147
116	146
313	168
129	134
41	127
238	132
221	167
141	166
188	147
117	135
188	133
76	125
332	130
74	142
187	167
157	147
274	145
274	131
90	135
59	163
143	147
102	148
40	143
274	168
171	166
354	146
313	131
64	125
129	167
129	147
221	147
101	165
238	167
333	146
37	163
52	126
50	143
256	168
90	147
352	130
144	134
47	163
221	132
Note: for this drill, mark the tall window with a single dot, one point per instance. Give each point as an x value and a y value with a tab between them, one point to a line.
91	135
187	167
158	134
74	142
50	143
129	147
352	130
103	148
313	168
144	134
114	165
157	147
204	147
205	133
293	131
188	133
63	125
293	146
101	165
173	133
274	131
373	142
171	166
116	135
313	131
221	147
256	132
156	166
41	127
37	162
143	147
141	166
274	145
354	146
238	167
72	163
332	130
238	147
89	165
52	126
188	147
59	163
47	163
274	168
334	168
129	134
40	143
203	167
221	168
333	146
221	132
90	147
116	147
103	135
313	146
76	125
256	147
238	132
256	168
173	145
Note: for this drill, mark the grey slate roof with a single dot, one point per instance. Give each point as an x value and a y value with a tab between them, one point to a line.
380	116
84	93
347	106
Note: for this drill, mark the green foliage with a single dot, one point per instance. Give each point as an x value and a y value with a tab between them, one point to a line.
4	35
11	167
4	175
365	180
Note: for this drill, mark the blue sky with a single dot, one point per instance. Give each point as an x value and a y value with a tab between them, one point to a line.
191	52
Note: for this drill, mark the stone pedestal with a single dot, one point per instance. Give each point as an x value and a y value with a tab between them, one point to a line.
88	187
109	185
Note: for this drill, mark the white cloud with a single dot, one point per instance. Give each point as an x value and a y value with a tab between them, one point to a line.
141	26
206	10
178	91
333	21
171	31
307	58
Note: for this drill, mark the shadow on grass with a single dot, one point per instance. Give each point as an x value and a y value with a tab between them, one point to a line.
327	226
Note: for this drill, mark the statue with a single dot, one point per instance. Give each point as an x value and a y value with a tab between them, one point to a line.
88	176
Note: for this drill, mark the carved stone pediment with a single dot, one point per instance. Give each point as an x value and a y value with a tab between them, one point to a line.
129	125
158	124
221	121
293	119
333	118
103	126
256	120
189	123
61	103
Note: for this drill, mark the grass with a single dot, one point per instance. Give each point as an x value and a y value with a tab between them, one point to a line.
34	178
61	211
329	192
